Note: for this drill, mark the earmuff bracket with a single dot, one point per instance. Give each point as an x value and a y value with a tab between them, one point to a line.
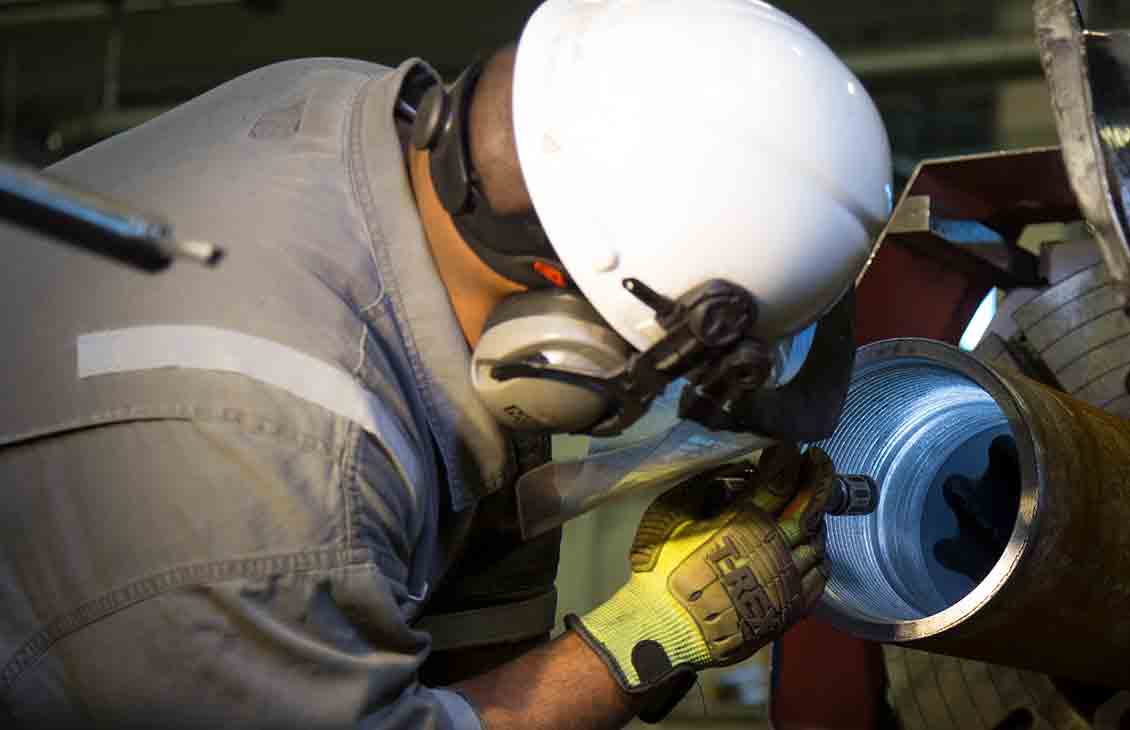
709	340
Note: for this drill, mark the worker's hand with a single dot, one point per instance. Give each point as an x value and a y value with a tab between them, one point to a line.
708	590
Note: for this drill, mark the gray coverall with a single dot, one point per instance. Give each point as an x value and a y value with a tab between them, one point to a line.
227	493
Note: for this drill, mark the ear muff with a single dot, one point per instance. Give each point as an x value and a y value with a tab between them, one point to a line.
558	328
440	128
514	246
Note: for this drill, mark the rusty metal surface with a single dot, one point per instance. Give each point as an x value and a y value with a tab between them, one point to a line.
1062	610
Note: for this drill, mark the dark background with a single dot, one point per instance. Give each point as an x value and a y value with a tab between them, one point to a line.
950	76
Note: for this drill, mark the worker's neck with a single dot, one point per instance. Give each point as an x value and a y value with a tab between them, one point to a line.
474	289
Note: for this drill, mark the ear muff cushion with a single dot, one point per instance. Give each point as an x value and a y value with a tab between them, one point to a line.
557	327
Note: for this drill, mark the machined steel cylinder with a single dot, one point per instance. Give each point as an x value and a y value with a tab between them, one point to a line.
1057	598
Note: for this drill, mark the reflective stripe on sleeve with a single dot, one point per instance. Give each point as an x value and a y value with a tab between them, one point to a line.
210	348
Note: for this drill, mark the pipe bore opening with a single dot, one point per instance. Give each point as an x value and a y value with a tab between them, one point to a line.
944	455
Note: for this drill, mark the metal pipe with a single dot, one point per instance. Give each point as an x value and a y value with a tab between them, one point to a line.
1056	598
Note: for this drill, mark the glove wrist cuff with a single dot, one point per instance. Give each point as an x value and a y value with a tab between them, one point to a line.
661	697
643	638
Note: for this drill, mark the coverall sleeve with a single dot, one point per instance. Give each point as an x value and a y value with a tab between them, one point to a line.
283	583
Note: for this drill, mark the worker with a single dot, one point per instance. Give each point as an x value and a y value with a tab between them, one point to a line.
237	497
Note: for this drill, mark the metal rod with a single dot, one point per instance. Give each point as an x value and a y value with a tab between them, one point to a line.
93	222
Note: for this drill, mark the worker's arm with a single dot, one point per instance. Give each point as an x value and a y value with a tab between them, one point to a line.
562	684
709	587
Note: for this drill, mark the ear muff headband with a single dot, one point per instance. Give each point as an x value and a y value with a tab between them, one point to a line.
514	246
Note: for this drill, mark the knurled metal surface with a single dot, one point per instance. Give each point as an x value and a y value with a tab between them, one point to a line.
1105	390
1073	287
1068	319
1095	362
1079	330
1083	341
937	692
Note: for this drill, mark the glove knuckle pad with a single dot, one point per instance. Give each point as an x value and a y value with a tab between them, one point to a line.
741	588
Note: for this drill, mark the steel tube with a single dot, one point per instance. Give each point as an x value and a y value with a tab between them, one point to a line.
1058	597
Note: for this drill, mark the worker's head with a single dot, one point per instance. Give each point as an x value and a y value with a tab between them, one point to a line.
670	142
493	146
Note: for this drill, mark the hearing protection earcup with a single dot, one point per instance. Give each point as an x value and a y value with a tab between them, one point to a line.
551	327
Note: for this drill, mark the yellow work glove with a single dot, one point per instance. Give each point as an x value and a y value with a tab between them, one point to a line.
709	590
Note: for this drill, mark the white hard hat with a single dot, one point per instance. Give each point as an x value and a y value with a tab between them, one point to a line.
676	141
